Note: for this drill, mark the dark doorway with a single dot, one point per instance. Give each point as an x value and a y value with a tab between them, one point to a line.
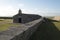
20	20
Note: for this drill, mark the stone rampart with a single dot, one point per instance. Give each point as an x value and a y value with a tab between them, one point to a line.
21	33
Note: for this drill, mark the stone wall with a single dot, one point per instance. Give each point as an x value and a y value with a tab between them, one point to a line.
25	18
21	33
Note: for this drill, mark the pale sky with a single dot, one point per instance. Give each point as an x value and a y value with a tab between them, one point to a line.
40	7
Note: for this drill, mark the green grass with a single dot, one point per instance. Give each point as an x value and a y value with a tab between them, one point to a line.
57	24
6	23
6	26
48	30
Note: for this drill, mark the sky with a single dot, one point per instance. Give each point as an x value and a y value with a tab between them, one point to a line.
40	7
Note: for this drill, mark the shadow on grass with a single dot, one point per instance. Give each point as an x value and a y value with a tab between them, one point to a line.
46	31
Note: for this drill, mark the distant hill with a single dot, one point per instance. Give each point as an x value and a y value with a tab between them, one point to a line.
6	17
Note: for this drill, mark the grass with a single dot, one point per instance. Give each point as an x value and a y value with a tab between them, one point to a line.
48	30
6	23
57	24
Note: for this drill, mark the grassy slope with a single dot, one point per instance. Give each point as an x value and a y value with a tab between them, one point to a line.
48	30
57	24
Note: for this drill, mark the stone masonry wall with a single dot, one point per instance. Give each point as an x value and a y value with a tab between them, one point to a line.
21	33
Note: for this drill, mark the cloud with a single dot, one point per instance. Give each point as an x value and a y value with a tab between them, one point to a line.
10	10
7	10
42	12
20	5
35	11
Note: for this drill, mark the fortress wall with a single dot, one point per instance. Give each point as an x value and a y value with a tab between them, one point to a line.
21	33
